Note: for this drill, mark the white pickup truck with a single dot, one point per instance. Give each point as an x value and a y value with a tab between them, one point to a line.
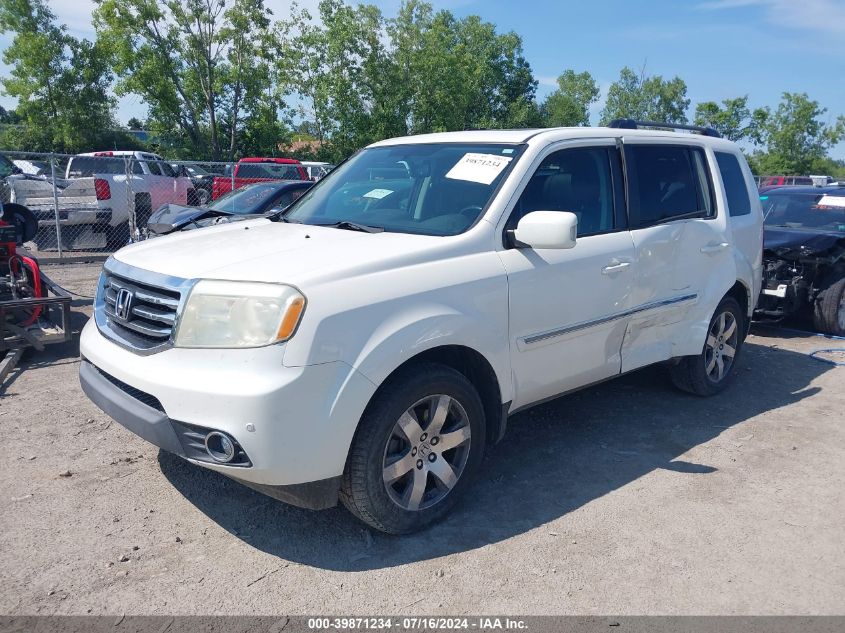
366	344
96	195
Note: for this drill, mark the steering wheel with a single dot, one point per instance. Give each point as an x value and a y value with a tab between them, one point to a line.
473	208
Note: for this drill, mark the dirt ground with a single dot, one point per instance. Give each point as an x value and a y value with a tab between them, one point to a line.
626	498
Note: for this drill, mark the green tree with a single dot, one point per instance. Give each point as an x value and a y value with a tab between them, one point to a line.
61	83
470	76
643	97
795	136
360	78
195	63
733	119
570	103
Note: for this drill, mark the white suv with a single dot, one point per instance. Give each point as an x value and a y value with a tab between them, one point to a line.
367	343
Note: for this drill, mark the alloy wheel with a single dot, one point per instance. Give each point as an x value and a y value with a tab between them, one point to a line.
721	345
426	452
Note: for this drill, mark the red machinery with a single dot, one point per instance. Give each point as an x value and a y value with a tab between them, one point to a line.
29	315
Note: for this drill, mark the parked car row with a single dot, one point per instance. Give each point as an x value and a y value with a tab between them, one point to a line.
98	192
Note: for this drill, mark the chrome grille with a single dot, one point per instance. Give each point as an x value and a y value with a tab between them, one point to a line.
135	311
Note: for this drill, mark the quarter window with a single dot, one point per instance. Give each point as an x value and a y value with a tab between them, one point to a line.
734	183
666	182
577	180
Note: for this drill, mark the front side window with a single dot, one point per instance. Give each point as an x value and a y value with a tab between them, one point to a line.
577	180
6	167
666	182
734	183
425	188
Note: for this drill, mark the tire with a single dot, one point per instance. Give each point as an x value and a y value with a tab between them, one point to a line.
829	312
713	369
143	209
393	457
117	236
26	226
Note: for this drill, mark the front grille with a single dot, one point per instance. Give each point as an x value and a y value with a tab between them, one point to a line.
142	396
148	322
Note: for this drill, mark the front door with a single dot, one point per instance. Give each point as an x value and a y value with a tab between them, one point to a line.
567	307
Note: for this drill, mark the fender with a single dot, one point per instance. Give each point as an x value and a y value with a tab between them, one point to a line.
409	334
395	331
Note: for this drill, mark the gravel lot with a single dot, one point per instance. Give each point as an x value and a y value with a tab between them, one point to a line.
627	498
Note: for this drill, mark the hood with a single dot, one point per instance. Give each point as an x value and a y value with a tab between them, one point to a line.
261	250
172	217
795	243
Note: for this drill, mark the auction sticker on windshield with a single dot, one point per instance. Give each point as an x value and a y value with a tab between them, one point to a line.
481	168
831	201
378	194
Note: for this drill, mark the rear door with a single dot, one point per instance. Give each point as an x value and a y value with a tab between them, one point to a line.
683	246
745	215
567	307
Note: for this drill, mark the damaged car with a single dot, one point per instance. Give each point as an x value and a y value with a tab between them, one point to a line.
804	256
247	203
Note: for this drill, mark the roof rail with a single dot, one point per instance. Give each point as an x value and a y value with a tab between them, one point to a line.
631	124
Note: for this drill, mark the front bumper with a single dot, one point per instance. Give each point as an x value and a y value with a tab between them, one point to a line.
294	424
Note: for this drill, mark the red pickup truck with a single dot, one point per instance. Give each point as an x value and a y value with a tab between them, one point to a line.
250	170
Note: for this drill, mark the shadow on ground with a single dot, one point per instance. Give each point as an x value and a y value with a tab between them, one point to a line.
554	459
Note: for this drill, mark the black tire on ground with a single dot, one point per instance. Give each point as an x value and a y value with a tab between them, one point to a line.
143	209
364	490
713	369
192	198
829	311
117	236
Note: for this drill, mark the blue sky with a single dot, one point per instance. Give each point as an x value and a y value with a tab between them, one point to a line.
721	48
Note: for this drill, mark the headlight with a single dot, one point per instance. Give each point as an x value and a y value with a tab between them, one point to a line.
238	314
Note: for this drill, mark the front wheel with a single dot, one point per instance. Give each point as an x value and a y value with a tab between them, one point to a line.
417	447
712	370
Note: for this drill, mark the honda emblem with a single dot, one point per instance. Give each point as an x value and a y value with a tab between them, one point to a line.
123	304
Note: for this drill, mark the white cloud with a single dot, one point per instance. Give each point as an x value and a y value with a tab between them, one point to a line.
825	16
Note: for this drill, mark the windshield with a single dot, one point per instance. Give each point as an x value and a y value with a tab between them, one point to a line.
246	200
805	210
429	189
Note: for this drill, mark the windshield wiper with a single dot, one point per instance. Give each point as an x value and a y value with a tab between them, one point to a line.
279	216
352	226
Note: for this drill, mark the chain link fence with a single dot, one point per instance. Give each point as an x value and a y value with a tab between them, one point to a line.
89	205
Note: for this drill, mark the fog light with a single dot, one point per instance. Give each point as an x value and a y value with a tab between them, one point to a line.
220	447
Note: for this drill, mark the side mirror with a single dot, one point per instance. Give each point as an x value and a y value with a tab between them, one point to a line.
547	229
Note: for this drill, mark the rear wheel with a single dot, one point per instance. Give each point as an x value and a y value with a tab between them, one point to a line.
418	446
712	370
829	314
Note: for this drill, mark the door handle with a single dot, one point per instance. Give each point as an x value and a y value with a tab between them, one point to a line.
714	248
615	268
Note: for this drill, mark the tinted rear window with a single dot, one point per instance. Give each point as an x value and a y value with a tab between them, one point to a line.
277	171
86	166
734	181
